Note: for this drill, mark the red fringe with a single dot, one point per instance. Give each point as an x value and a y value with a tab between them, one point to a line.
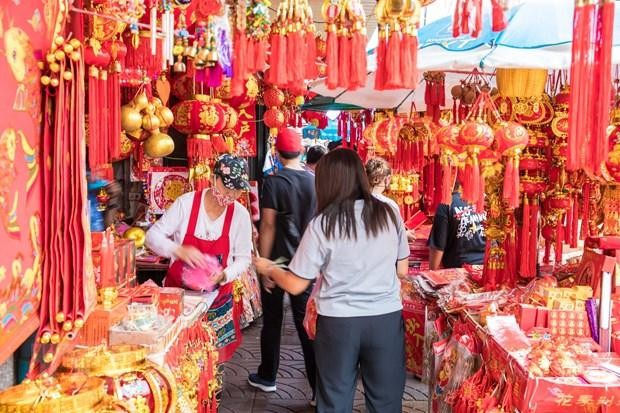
533	243
282	75
260	55
478	22
311	69
344	61
331	59
524	267
585	218
499	18
114	108
251	63
380	74
575	223
394	76
358	61
275	44
458	16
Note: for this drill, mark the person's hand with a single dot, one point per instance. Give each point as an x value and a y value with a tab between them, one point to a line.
190	256
264	267
411	235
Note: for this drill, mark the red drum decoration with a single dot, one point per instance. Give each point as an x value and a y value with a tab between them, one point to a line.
511	140
475	136
447	139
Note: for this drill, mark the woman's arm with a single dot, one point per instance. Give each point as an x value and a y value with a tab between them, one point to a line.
241	244
286	280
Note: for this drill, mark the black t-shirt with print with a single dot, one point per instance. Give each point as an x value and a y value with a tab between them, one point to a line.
291	193
458	231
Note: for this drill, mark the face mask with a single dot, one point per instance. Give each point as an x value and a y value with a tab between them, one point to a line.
221	199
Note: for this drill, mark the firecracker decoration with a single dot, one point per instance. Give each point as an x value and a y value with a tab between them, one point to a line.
398	44
590	84
468	17
68	293
345	49
200	118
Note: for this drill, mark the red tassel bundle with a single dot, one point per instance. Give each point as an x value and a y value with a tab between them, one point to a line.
199	153
589	101
394	79
331	59
380	74
532	253
524	263
312	71
344	60
499	16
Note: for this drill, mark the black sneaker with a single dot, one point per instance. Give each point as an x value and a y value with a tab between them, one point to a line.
258	382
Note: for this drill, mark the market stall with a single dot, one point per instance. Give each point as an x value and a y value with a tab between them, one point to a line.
136	100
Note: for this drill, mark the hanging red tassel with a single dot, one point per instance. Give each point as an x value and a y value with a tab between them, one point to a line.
499	17
533	243
114	107
312	71
358	60
260	55
331	58
457	19
478	20
344	61
524	266
282	75
575	223
94	148
275	44
585	218
394	77
559	243
380	74
406	62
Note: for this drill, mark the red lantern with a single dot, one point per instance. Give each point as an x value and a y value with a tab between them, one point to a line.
511	139
475	136
199	116
273	97
274	119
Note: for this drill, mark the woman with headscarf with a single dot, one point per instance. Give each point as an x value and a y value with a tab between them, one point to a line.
210	222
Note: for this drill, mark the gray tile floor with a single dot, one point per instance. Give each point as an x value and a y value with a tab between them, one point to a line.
293	390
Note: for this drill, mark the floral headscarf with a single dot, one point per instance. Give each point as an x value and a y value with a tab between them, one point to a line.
233	171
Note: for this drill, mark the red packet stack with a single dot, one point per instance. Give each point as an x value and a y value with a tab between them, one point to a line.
171	301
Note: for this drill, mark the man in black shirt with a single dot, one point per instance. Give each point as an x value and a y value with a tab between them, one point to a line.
288	203
457	236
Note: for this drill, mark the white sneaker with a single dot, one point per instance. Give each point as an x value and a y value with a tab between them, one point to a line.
256	381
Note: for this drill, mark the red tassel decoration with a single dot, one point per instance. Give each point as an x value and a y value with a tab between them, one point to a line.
94	148
457	19
358	60
312	71
575	222
331	59
114	107
380	74
344	61
282	75
478	20
499	17
103	116
524	265
275	44
394	78
585	218
533	243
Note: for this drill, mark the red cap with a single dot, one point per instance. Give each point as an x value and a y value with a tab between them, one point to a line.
288	141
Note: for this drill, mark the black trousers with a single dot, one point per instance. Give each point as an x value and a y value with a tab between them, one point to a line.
273	314
373	346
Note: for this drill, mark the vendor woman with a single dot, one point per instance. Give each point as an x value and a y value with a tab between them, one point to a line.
211	222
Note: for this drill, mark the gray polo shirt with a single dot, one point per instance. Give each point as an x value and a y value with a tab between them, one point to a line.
359	276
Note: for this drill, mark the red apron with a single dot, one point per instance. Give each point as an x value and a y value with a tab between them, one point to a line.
224	314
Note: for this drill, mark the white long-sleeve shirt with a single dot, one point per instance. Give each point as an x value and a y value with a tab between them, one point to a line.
167	234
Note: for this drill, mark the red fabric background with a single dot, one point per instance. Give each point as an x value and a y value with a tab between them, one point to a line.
24	34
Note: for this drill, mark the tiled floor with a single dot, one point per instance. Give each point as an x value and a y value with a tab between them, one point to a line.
293	390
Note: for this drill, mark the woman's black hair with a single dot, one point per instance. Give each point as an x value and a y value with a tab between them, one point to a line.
340	181
315	153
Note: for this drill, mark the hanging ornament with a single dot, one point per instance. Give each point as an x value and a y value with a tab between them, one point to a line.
511	139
